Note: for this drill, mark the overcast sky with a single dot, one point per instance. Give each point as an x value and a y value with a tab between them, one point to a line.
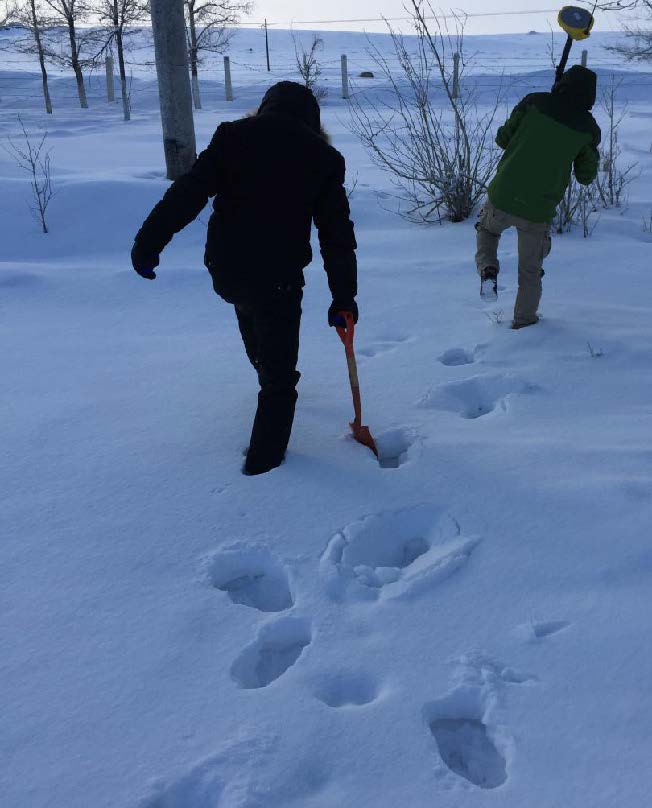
286	11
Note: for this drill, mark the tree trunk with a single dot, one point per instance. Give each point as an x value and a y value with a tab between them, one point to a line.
41	57
175	96
194	72
126	105
74	60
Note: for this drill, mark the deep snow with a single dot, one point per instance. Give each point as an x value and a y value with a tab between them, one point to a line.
466	627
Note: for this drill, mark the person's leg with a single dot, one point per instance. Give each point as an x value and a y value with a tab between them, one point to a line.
245	316
489	228
533	246
277	324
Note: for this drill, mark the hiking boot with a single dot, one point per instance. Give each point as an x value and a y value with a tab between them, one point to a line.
256	464
516	324
489	283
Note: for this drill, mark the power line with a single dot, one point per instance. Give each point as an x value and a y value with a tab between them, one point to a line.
450	16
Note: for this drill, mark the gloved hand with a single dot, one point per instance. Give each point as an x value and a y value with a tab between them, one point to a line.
336	307
144	262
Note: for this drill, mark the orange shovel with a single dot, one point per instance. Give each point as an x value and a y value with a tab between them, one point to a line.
346	334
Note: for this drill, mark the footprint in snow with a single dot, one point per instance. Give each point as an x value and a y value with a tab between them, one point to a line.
201	788
469	745
382	346
534	632
215	781
251	576
277	649
393	446
468	751
455	357
393	554
477	396
345	689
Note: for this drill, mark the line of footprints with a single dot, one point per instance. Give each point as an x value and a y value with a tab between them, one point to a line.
470	398
381	557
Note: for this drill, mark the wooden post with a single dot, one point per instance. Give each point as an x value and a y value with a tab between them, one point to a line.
267	47
175	94
585	58
228	86
456	75
345	77
110	85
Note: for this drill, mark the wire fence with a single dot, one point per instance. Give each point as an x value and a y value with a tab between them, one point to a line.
486	69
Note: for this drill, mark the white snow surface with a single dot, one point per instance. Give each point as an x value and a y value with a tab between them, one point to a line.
467	627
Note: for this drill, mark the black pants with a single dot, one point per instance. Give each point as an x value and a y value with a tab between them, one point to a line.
270	332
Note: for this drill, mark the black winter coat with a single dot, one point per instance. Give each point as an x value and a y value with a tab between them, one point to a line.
271	175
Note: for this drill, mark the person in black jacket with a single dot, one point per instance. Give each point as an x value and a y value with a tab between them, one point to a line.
271	175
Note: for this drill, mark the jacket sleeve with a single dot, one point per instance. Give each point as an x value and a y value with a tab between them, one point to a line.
185	199
587	162
508	129
336	235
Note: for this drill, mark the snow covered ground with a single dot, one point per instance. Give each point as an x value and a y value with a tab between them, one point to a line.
470	628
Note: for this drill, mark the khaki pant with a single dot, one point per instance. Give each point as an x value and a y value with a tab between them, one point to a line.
534	244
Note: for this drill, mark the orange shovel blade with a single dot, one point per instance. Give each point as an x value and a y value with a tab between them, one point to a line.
363	436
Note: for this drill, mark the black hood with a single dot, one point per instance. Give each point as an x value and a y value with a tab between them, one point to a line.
294	100
580	84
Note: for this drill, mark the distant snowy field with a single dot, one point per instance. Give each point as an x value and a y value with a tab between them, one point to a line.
469	629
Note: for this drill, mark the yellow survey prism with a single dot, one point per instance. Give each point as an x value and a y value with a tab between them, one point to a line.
577	22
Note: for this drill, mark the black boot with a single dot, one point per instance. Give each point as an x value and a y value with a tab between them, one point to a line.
272	427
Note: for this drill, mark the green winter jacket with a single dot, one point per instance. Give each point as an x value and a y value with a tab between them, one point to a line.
546	136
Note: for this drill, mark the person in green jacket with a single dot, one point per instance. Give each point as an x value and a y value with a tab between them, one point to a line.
547	136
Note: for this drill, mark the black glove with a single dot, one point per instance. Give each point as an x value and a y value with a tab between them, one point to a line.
144	261
336	307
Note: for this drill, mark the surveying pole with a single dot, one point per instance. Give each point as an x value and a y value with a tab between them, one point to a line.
578	24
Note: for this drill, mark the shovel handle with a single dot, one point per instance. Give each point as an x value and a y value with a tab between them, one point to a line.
347	332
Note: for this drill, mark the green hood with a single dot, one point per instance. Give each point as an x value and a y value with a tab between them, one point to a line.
580	85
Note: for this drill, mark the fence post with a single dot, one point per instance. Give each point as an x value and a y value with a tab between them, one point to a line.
228	86
345	77
110	85
456	75
585	58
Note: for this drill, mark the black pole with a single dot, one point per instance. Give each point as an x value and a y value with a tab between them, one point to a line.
564	60
267	47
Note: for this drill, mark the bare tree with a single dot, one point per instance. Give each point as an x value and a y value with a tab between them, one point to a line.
70	14
441	156
638	45
6	14
613	179
207	23
118	15
616	5
307	60
30	15
35	159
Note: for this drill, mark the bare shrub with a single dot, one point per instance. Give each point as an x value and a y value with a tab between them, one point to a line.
441	156
613	179
32	157
579	206
307	60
